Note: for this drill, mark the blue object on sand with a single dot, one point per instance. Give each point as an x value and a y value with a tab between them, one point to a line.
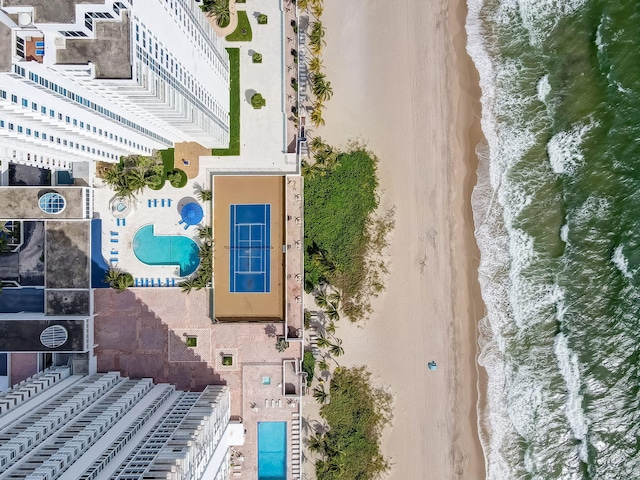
432	365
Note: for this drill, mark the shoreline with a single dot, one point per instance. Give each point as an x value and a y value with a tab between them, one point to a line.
405	86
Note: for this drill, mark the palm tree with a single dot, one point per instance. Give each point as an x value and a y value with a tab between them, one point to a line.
316	38
205	233
317	8
219	9
186	286
205	195
335	298
124	281
317	144
112	275
201	281
321	87
316	443
316	114
315	65
323	365
335	349
323	341
321	299
332	313
331	328
320	394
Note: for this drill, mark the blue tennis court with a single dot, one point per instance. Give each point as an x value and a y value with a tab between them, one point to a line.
250	249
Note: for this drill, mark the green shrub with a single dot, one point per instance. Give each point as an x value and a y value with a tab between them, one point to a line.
256	57
262	19
356	416
258	101
177	178
309	366
339	200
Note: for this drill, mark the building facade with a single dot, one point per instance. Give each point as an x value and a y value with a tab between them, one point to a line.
62	426
84	80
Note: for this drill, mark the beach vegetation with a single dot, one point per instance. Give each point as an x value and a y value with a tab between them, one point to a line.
256	57
258	101
262	19
118	279
234	105
309	366
243	32
219	9
342	234
303	4
356	415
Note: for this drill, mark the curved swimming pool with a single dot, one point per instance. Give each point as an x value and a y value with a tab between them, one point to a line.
166	250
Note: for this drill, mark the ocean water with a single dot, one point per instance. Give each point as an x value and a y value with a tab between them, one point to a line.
557	211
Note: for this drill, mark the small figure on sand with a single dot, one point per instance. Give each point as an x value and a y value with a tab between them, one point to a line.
432	365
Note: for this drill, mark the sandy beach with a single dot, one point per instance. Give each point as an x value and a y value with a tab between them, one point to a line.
404	85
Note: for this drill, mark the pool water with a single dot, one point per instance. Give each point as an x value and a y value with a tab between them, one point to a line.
272	450
166	250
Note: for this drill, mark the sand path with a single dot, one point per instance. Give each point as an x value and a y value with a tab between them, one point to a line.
403	84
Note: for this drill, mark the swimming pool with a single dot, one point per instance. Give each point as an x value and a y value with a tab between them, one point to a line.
166	250
272	450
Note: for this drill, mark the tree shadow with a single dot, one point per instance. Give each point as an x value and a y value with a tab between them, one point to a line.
270	330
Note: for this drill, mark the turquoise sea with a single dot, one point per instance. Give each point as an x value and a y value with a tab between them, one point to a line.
557	210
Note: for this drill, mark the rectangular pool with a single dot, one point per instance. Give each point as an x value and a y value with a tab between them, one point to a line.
272	450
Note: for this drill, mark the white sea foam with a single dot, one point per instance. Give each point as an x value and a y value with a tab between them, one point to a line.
569	368
621	262
564	233
514	303
564	149
544	88
540	17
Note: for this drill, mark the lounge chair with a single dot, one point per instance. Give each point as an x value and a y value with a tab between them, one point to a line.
146	282
162	202
152	283
124	222
155	202
113	260
114	240
114	234
173	282
168	202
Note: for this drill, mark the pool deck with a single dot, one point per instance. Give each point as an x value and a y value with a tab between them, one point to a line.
117	239
139	333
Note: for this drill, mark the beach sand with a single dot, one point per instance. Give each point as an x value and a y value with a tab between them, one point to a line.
404	85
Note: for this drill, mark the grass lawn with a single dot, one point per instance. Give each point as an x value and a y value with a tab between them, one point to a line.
167	160
243	32
234	107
